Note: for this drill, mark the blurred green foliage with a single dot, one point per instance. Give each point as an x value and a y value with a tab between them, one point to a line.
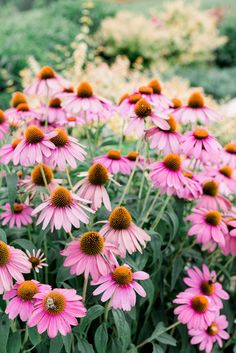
226	55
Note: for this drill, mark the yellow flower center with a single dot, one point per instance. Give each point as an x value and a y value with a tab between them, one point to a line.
4	253
33	134
55	103
155	85
2	117
213	329
213	217
177	103
134	98
35	261
84	90
98	174
27	290
37	177
200	134
133	155
227	171
208	287
23	107
18	207
114	154
142	108
230	148
196	100
210	188
15	143
123	97
120	218
122	275
61	197
54	303
46	73
61	139
91	243
200	303
18	98
172	161
145	90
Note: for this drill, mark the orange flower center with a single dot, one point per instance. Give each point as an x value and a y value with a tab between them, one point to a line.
208	287
27	290
36	175
210	188
84	90
98	174
142	108
227	171
155	85
133	155
230	148
200	303
54	303
172	161
18	98
145	90
134	98
61	197
46	73
120	218
68	89
173	124
187	174
177	103
15	143
213	329
213	217
2	117
200	134
61	139
18	207
71	118
23	107
196	100
122	275
35	261
4	253
55	103
33	134
114	154
91	243
123	97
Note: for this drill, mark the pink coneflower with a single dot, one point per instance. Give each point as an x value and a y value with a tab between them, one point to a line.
37	259
19	216
67	150
56	310
192	189
225	176
4	129
34	147
72	121
89	106
143	111
195	311
18	98
121	286
167	141
127	103
160	101
54	112
131	158
7	151
13	263
215	332
92	187
204	282
22	299
123	233
91	254
228	155
114	162
196	111
47	82
211	199
230	240
62	210
167	175
200	144
22	112
207	225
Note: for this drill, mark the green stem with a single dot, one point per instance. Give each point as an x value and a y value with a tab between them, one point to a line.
46	255
150	208
44	177
161	212
107	308
69	178
89	141
85	289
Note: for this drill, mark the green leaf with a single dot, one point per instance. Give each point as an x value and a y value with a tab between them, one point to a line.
123	330
56	344
4	332
84	346
67	340
166	339
101	338
177	267
3	236
157	349
14	343
93	313
24	244
34	336
11	187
